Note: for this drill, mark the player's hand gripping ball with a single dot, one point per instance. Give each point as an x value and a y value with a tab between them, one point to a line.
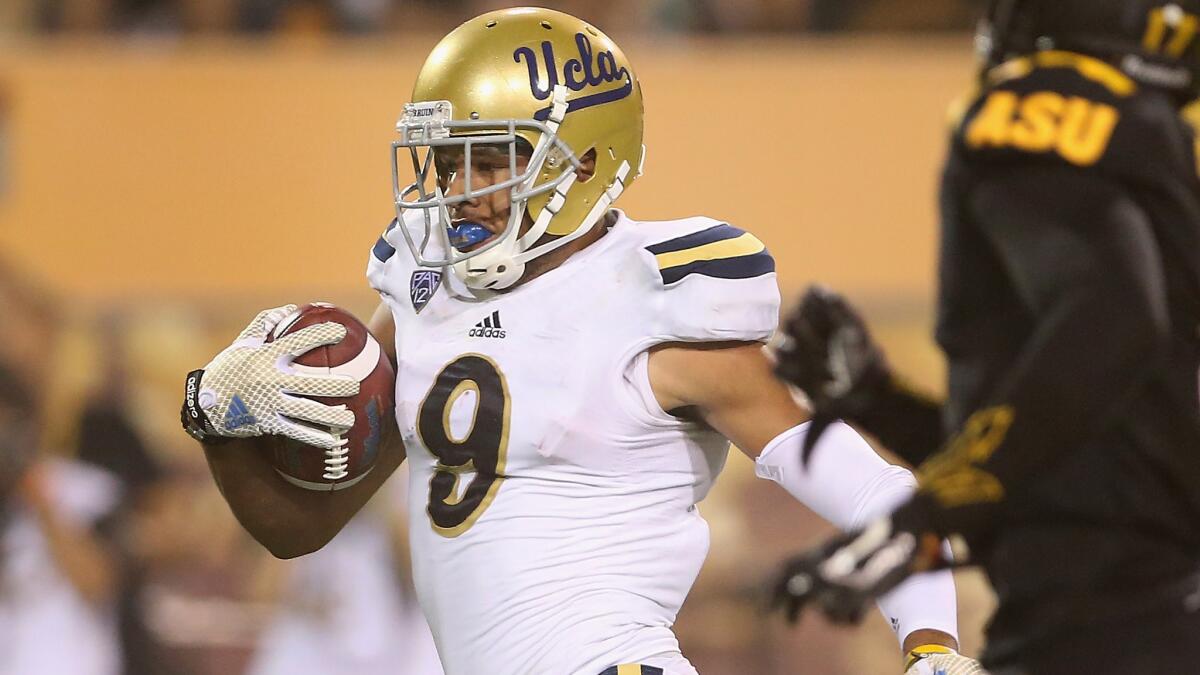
311	381
357	356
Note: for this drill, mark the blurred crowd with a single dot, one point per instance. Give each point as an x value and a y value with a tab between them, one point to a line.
181	17
117	555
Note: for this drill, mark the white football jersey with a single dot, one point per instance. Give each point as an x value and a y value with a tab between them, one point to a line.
553	503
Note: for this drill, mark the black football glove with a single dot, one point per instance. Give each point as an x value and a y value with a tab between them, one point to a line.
846	575
826	351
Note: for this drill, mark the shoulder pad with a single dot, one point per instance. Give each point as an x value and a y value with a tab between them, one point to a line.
716	282
710	248
383	250
381	253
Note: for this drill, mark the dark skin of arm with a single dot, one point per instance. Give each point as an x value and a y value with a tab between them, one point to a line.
906	421
291	521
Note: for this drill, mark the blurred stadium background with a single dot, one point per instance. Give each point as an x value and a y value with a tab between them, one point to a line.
161	162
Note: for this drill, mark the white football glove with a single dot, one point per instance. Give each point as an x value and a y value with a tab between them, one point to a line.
940	660
250	388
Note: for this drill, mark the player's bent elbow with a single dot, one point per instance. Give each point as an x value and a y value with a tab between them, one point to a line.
286	537
291	538
287	552
289	547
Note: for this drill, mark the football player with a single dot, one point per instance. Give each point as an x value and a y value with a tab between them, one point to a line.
568	378
1068	452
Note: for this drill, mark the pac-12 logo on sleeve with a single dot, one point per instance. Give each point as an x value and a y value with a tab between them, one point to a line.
422	286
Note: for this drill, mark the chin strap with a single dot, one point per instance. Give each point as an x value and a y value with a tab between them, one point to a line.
557	200
558	111
514	253
602	204
552	208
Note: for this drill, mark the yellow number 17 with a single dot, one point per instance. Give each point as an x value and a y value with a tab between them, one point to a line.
1164	20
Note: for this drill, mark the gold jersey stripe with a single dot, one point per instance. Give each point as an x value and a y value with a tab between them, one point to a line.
629	669
746	244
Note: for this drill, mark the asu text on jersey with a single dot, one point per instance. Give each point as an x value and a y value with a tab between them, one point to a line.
554	527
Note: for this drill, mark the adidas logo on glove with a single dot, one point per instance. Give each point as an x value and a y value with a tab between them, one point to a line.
489	328
238	414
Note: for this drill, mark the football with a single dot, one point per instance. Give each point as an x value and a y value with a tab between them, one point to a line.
360	356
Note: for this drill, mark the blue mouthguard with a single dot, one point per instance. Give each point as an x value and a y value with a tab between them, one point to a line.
467	234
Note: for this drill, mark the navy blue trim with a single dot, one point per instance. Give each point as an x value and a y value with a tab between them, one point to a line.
589	101
646	670
715	233
741	267
382	250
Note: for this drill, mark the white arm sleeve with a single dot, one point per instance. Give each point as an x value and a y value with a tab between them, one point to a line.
849	485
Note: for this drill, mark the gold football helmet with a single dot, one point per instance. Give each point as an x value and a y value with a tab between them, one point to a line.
506	79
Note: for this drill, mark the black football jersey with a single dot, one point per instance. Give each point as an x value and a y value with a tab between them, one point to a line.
1116	514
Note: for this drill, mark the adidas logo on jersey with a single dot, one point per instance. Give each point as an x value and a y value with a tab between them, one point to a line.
489	328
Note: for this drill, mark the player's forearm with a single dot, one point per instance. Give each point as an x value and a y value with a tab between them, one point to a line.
850	485
291	521
923	610
845	481
906	421
287	520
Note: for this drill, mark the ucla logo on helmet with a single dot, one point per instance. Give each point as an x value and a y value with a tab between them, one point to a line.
591	69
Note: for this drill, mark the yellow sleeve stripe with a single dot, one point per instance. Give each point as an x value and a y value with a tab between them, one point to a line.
629	669
746	244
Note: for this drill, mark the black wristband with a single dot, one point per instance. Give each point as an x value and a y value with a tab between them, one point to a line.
191	415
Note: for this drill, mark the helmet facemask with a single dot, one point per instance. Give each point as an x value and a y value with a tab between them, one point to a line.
426	128
497	79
